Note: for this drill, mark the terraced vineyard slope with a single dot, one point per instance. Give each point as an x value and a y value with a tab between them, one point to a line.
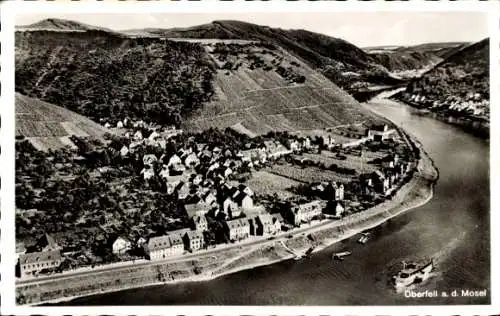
259	88
48	126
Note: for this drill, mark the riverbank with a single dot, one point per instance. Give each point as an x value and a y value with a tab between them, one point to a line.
476	127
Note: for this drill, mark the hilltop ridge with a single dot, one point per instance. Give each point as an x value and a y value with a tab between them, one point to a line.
342	62
53	24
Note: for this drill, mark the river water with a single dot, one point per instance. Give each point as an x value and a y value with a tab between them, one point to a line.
453	229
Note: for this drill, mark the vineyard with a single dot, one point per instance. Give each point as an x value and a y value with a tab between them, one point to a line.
49	126
255	94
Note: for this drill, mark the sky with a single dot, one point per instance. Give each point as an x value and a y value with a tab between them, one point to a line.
360	28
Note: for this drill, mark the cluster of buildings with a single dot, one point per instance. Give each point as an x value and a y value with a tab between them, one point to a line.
384	180
33	263
199	175
352	136
272	150
473	103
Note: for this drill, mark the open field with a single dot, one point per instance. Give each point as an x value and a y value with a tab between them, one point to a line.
307	174
360	164
49	126
263	182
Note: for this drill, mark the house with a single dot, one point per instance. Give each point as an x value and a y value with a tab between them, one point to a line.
226	172
31	264
174	160
138	136
238	229
267	225
164	172
191	160
328	140
380	132
275	149
294	145
255	156
243	200
213	166
196	209
230	207
121	246
306	142
176	240
200	223
336	208
147	173
124	151
177	169
141	242
197	179
245	189
161	143
173	183
335	191
183	190
149	159
306	212
184	152
153	136
380	182
194	240
209	198
205	154
162	247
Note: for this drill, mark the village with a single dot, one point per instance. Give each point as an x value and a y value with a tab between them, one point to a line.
210	184
472	105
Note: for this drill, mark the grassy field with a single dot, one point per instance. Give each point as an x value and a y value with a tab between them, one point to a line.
306	174
263	182
48	126
360	164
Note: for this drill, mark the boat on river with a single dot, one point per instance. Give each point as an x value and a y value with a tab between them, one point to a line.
412	273
340	255
364	238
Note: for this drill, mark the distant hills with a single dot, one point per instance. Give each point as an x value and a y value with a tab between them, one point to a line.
416	57
460	74
48	126
344	63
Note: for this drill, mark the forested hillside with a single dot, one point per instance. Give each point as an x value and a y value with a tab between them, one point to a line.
463	73
109	77
345	64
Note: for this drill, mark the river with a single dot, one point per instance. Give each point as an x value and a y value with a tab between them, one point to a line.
453	229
